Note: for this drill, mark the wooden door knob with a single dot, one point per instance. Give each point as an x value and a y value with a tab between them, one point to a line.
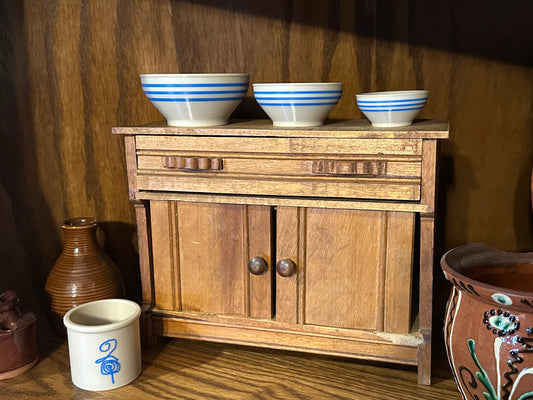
286	267
257	265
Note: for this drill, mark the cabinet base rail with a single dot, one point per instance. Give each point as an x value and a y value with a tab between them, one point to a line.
368	345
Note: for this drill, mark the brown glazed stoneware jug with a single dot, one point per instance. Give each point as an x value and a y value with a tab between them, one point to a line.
488	327
82	273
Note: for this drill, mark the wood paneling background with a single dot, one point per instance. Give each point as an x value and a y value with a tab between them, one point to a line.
69	72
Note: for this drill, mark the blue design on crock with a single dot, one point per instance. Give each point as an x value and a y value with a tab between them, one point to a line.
109	363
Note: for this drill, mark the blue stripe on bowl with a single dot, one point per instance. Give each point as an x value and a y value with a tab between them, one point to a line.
298	98
389	109
199	92
186	100
297	104
390	101
177	85
392	106
299	92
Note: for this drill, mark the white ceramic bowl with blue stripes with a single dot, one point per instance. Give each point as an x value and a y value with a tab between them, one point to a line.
195	100
392	108
297	104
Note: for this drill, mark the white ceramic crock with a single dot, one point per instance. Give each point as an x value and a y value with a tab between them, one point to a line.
104	343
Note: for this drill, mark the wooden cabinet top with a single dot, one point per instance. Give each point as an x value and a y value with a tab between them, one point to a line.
357	129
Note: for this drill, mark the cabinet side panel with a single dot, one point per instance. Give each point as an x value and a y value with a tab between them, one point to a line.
212	247
287	247
131	164
163	254
429	165
344	268
259	245
398	273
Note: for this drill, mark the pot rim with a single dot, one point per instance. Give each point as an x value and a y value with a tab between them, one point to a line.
481	251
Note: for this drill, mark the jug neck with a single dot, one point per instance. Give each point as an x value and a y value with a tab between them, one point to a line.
80	234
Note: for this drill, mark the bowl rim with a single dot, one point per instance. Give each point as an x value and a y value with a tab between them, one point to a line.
197	75
296	84
394	93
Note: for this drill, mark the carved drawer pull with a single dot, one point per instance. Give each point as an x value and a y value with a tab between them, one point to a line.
192	163
352	168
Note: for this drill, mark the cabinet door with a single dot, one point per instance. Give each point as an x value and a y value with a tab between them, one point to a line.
353	268
200	255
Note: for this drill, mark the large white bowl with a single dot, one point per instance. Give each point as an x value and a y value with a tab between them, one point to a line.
392	108
297	104
195	100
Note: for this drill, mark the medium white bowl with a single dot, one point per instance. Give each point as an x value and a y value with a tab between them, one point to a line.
195	100
297	104
392	108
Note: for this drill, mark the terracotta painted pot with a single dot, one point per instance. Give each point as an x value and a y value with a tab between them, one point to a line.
82	273
488	328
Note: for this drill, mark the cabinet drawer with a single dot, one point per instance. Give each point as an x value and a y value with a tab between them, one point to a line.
386	169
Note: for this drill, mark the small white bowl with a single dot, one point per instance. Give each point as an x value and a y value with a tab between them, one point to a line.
297	104
195	100
392	108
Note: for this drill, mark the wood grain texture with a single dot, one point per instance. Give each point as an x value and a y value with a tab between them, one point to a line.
399	272
361	188
259	245
299	202
290	245
279	166
325	257
70	72
213	254
164	255
344	279
345	128
199	370
426	318
284	145
200	257
336	165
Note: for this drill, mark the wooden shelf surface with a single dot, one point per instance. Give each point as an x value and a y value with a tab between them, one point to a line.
184	369
356	128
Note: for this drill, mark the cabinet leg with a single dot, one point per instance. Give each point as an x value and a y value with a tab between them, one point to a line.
148	338
425	308
424	360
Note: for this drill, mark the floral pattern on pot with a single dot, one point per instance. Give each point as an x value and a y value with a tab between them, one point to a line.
500	322
488	328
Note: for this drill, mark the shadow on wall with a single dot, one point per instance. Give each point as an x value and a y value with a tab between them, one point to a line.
30	238
447	178
120	244
524	194
27	225
492	30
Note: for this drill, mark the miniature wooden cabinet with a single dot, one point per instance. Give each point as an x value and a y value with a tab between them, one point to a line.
300	239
